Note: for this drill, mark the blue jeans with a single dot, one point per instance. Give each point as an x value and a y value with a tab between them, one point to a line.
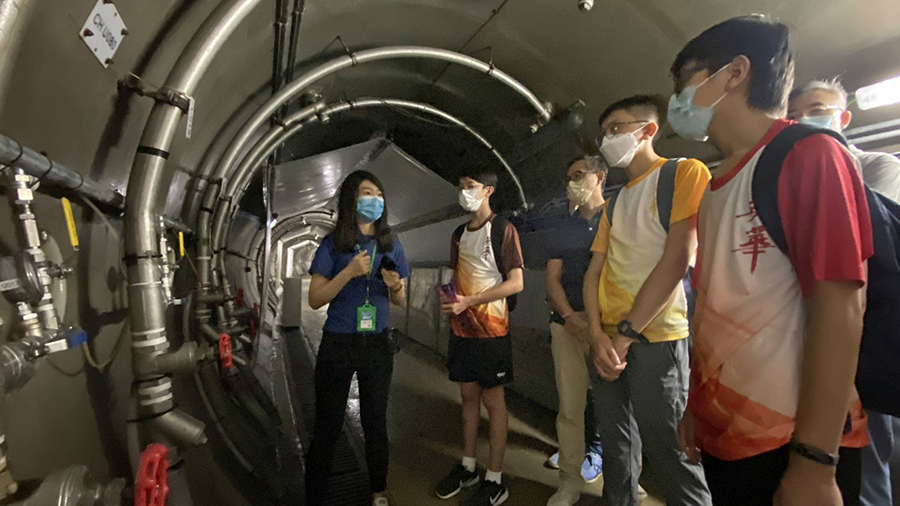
875	489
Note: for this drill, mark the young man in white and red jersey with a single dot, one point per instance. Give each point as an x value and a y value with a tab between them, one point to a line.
773	408
486	258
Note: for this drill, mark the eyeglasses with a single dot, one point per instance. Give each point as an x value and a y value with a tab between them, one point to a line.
613	129
816	110
578	176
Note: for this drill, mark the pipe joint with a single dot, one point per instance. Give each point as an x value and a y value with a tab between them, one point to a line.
176	428
185	359
210	298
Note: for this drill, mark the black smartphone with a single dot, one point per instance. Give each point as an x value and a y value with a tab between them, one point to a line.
387	264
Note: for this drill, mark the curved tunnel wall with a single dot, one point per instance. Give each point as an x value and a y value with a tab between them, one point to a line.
62	101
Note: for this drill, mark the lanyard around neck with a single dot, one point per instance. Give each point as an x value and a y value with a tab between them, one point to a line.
371	267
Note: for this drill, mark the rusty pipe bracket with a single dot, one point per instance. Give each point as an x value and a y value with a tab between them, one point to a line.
162	94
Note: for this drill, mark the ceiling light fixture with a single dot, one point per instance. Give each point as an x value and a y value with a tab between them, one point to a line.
879	94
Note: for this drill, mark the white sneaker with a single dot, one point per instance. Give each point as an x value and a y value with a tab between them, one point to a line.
380	501
564	497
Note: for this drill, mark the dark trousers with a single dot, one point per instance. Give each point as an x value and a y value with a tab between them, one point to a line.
754	481
591	433
341	355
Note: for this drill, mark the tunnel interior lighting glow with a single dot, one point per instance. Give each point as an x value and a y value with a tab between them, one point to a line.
879	94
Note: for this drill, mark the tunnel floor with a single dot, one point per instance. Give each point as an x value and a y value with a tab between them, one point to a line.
425	427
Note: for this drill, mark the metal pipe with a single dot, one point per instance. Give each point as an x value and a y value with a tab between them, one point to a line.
855	132
21	189
13	18
76	486
178	429
147	309
47	170
295	87
278	135
296	16
268	174
876	137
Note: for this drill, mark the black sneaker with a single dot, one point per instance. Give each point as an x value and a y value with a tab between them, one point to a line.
489	494
459	478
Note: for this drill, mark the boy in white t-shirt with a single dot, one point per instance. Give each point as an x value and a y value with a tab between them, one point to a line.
486	257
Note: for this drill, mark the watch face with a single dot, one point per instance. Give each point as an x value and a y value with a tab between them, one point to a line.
623	328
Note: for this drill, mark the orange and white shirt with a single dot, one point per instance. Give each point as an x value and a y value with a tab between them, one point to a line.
750	320
634	244
475	270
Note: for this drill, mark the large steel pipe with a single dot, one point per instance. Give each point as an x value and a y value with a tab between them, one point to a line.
294	88
277	135
147	309
13	17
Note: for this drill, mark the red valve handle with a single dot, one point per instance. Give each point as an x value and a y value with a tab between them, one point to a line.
239	298
151	485
225	353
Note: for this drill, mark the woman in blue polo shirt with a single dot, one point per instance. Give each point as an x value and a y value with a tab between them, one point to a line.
359	270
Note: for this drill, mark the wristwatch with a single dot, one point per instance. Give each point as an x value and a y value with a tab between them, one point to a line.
814	454
625	329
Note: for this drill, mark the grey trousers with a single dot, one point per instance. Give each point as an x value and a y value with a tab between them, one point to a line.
639	413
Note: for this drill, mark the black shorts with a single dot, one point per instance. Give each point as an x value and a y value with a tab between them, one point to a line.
486	361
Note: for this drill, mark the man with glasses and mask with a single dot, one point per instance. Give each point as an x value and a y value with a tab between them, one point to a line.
823	104
773	409
636	307
579	458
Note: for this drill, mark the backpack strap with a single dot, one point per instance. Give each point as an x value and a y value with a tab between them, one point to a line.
457	235
665	191
764	188
498	229
611	205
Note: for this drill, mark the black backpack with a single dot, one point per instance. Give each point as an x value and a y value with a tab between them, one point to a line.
498	227
665	194
877	377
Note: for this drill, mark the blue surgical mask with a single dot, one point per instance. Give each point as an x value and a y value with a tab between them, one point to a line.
688	120
819	122
369	208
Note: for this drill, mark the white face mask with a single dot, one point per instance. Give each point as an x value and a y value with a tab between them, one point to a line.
469	201
620	149
579	192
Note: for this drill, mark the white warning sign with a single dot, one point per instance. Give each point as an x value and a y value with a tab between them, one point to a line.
103	31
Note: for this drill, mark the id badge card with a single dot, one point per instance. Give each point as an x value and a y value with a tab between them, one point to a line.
365	318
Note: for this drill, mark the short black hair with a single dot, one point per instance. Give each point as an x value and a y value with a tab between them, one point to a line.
765	42
484	175
648	107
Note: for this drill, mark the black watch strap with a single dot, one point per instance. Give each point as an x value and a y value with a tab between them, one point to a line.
814	454
626	329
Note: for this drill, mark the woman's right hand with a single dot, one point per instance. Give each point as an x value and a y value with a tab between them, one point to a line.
360	264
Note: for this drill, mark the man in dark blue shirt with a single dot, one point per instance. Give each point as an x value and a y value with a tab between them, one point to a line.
570	255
